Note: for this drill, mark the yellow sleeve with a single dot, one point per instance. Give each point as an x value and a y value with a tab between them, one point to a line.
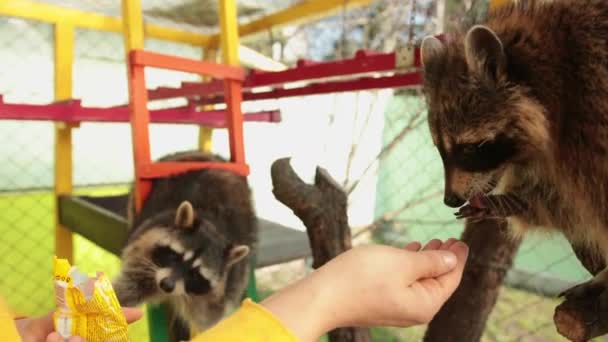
7	324
252	323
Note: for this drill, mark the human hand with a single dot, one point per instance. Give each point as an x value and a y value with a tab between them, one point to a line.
41	329
372	285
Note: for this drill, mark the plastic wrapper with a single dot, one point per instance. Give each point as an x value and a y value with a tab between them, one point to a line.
86	306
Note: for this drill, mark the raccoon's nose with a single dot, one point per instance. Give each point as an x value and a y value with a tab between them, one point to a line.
167	285
453	201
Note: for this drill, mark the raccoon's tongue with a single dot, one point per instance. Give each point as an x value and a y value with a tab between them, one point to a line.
477	201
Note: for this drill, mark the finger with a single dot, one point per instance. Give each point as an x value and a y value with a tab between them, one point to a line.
54	337
432	245
451	280
446	245
132	314
432	263
413	246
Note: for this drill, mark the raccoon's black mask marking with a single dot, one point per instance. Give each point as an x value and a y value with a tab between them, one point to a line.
483	156
194	282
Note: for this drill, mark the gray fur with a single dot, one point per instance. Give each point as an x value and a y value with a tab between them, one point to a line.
223	218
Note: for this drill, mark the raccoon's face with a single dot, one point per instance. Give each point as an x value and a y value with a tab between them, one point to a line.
481	122
182	257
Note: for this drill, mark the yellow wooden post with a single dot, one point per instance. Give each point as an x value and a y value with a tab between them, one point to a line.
205	134
230	56
64	57
133	34
229	36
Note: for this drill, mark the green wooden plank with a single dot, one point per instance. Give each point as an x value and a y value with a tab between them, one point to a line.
157	323
103	227
252	289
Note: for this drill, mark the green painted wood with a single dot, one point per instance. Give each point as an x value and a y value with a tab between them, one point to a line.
102	221
158	329
252	289
97	224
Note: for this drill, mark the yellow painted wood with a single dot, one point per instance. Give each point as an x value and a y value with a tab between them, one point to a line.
39	11
205	138
300	13
133	21
133	35
205	134
229	32
64	58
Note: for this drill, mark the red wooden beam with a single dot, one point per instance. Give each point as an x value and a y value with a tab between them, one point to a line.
157	60
166	169
363	62
364	83
73	112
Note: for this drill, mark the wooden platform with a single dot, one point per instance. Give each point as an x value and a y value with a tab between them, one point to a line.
103	221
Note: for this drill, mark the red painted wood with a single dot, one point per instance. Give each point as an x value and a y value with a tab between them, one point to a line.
364	83
73	112
157	60
167	169
365	61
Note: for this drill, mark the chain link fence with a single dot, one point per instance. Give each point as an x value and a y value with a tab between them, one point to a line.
375	143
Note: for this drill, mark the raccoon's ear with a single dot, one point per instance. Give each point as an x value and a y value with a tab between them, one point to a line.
184	217
237	253
430	48
484	52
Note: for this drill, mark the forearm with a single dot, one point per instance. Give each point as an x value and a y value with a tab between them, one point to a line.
302	308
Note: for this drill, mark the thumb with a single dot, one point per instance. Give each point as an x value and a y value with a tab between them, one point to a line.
432	263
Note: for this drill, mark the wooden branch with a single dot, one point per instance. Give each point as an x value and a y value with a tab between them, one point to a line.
583	319
464	316
322	209
580	320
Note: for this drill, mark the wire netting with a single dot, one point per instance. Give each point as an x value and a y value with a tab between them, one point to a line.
375	143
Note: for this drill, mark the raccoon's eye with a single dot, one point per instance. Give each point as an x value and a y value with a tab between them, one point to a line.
165	256
484	156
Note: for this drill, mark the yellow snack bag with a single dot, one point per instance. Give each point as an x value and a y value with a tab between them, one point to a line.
86	306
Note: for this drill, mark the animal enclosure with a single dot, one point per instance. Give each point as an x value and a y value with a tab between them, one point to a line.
373	140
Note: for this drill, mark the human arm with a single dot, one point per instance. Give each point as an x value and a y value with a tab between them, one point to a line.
365	286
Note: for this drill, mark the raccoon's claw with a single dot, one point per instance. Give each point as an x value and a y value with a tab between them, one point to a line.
491	207
475	213
586	289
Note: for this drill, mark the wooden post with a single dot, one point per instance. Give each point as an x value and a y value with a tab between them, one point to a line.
230	55
64	58
322	208
133	32
138	97
205	134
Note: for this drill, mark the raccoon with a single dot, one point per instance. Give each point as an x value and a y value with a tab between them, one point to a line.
190	245
518	111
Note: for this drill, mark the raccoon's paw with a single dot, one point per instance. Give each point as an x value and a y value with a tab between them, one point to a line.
491	207
596	288
476	213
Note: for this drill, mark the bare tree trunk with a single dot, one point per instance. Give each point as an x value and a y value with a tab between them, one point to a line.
582	319
464	316
322	209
